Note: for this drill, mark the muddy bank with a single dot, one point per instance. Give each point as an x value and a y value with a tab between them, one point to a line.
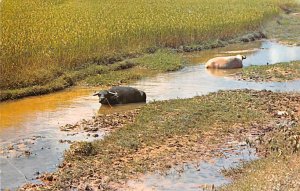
95	127
194	176
278	168
170	133
270	73
102	122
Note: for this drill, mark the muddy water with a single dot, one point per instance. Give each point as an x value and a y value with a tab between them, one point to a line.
30	135
194	177
32	124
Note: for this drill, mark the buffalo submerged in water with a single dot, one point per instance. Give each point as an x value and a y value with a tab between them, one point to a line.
121	95
226	62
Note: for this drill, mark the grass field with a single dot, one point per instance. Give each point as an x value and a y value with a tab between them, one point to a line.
40	40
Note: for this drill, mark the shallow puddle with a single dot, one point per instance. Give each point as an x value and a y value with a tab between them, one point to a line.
205	175
32	124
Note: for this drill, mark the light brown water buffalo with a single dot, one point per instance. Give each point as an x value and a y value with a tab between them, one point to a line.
226	62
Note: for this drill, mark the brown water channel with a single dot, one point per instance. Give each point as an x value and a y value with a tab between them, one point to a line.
30	135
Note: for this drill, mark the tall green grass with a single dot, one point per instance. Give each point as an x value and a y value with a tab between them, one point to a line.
40	39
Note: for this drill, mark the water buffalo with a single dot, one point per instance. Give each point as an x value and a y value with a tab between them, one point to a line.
121	95
226	62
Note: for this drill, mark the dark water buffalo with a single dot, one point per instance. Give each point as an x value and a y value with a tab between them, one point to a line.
121	95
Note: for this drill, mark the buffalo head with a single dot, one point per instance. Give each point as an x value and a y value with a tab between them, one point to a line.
106	97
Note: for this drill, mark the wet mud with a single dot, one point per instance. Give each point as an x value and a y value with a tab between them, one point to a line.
205	175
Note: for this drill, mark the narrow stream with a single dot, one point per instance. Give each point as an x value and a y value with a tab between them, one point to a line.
29	131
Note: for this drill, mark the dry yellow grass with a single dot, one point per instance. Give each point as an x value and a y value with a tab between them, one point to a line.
41	39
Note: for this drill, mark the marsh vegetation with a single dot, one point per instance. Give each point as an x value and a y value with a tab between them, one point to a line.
41	40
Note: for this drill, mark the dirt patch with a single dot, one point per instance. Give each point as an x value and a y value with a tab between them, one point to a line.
102	122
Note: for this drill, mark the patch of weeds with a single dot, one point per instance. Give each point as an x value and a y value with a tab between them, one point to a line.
83	149
137	68
117	77
161	60
271	173
247	37
286	27
275	72
65	80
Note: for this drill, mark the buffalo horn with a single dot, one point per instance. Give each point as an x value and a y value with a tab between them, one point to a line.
113	93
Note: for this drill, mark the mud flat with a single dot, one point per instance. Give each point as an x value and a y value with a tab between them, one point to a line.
278	168
166	134
204	175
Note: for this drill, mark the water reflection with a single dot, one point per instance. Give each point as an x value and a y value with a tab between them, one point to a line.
104	109
32	124
272	52
222	73
269	52
195	80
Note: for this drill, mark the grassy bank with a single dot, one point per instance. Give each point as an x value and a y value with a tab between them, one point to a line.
169	133
108	74
275	72
41	40
146	65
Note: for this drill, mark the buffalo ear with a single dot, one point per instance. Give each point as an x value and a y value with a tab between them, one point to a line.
96	94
